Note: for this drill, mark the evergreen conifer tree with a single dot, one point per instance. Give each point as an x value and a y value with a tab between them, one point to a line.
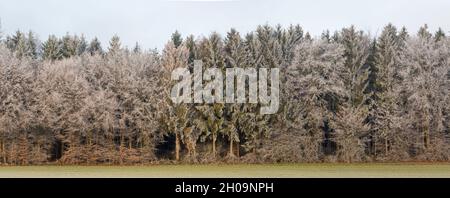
52	49
95	47
176	38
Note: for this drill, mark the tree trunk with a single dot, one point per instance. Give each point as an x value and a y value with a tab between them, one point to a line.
231	146
3	152
426	134
375	147
237	149
214	145
61	150
386	146
177	147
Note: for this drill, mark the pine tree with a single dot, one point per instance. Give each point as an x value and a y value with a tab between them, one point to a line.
13	41
52	49
234	49
211	116
137	48
271	49
69	46
192	47
371	90
308	36
235	57
95	47
384	99
32	45
252	135
326	36
18	44
81	45
176	39
177	115
424	33
439	35
114	45
372	67
356	52
288	40
349	136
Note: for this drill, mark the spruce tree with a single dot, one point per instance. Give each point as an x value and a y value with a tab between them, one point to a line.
137	48
32	45
384	104
289	39
356	52
439	35
95	47
326	36
22	47
192	47
114	45
68	47
211	118
52	49
271	49
81	45
424	32
176	38
235	57
17	43
12	41
176	119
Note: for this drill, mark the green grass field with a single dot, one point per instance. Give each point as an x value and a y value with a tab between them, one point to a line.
260	171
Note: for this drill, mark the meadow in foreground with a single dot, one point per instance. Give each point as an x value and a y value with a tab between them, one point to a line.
260	171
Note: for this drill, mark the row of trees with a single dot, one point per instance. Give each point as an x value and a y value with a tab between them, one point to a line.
347	96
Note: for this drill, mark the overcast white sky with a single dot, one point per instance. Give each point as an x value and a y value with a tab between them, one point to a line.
152	21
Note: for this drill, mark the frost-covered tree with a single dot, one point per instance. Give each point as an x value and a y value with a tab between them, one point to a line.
22	44
176	118
289	38
137	48
270	48
15	97
192	47
32	45
345	97
211	116
52	49
439	35
350	129
95	47
16	41
356	46
425	66
81	45
114	45
176	38
69	45
235	57
315	85
384	97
